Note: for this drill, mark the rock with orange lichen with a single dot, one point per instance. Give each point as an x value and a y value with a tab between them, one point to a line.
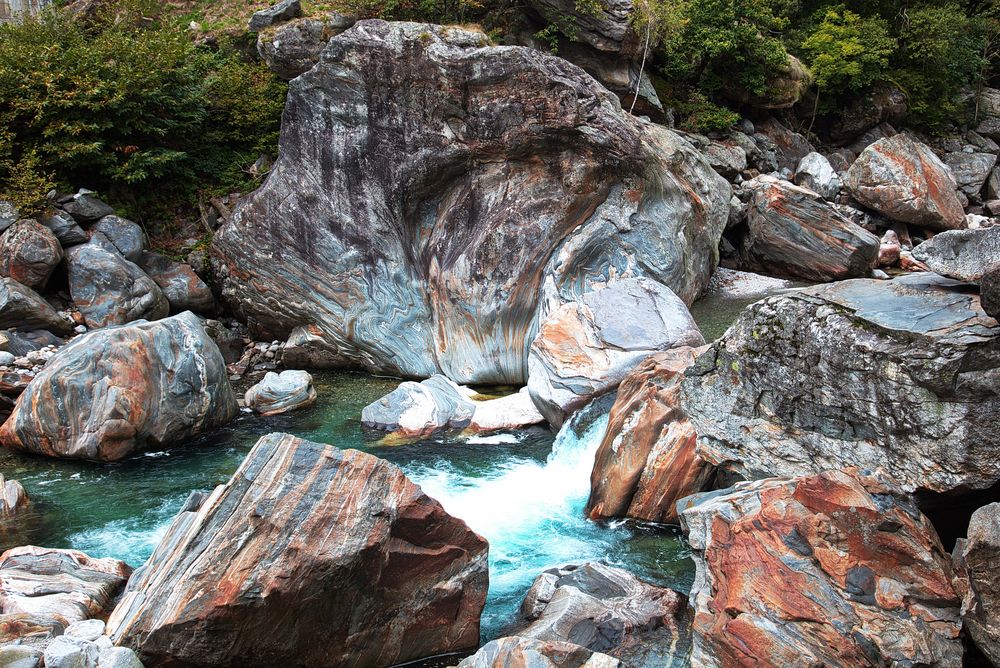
904	180
586	348
309	555
832	569
793	233
121	389
426	217
647	460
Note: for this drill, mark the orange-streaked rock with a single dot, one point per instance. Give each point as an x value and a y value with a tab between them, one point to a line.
647	460
832	569
309	555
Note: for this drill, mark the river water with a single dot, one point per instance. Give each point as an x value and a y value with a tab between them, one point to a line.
524	491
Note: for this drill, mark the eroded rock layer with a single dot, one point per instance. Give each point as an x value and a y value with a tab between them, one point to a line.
435	196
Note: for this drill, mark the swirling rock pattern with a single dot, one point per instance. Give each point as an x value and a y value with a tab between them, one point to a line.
29	252
517	652
435	197
647	460
348	563
281	392
897	374
824	570
24	309
121	389
110	290
586	348
183	289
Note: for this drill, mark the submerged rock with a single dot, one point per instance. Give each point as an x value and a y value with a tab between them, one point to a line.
647	461
110	290
831	569
607	609
903	180
517	652
65	586
281	393
897	374
981	579
29	252
183	289
508	181
420	409
964	255
117	390
792	232
585	348
24	309
348	563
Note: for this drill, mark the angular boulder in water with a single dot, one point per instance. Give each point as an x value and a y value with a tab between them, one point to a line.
281	393
29	252
585	348
832	569
509	181
117	390
13	498
348	564
420	409
789	389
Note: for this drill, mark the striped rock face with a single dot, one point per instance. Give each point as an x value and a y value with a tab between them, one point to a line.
117	390
825	570
435	197
309	555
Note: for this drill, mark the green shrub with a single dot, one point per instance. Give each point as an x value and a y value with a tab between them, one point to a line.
848	53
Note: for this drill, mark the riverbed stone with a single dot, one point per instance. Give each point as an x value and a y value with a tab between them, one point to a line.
970	170
182	287
29	252
513	411
904	180
420	409
20	656
31	630
585	348
815	173
118	657
789	389
833	569
124	236
281	392
109	289
964	255
64	227
13	498
85	207
88	629
512	184
518	652
24	309
339	536
113	391
66	652
791	232
647	460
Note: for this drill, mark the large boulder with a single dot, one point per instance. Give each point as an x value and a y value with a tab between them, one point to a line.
348	564
281	392
647	461
183	289
607	609
64	586
24	309
792	232
420	409
586	347
899	374
518	652
824	570
604	25
980	580
964	255
970	170
116	390
989	291
29	252
904	180
121	235
61	224
507	181
109	289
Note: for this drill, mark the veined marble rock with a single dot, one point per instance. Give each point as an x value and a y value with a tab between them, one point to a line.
435	197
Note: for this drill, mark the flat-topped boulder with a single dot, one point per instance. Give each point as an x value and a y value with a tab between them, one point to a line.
964	255
832	569
347	563
899	375
508	182
29	252
586	348
113	391
281	392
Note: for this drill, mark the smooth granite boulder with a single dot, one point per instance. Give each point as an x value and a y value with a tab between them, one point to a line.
183	289
426	217
29	252
585	348
964	255
117	390
518	652
110	290
902	375
281	392
24	309
904	180
309	555
825	570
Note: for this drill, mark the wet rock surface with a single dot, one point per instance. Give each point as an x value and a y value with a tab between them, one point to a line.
349	563
831	569
564	190
117	390
894	374
517	652
281	392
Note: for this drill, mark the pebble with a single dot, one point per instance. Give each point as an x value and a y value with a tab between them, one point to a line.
119	657
80	329
6	359
88	629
